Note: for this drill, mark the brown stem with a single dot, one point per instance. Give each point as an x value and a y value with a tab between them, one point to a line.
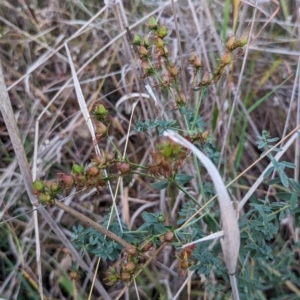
91	223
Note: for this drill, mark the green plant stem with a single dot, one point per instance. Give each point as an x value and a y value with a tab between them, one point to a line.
141	174
198	108
279	210
137	165
187	193
196	163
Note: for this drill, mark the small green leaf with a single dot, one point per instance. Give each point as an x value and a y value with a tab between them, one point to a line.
211	223
183	178
295	185
160	185
293	201
284	196
274	162
147	217
274	181
297	219
287	164
271	140
284	179
268	172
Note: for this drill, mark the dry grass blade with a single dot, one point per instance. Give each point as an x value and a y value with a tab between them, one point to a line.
228	214
8	116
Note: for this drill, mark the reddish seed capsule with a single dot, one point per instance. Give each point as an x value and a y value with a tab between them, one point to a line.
226	59
169	236
197	63
130	267
148	247
66	180
101	129
205	78
123	168
143	51
230	43
131	250
125	276
109	156
173	71
100	160
92	171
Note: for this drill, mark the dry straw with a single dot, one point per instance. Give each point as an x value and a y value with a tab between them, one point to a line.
231	231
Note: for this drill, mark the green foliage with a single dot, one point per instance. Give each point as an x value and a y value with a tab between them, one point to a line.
95	242
159	125
153	224
207	261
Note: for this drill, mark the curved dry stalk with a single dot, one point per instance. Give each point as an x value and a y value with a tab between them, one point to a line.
228	214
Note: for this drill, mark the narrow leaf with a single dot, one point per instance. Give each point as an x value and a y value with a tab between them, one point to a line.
183	178
268	172
284	179
295	185
293	201
160	185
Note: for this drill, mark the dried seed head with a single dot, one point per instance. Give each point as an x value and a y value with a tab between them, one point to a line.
53	186
243	40
147	247
231	43
101	129
205	78
99	160
123	168
165	80
109	156
205	135
66	180
181	99
148	69
192	56
173	71
74	275
143	51
166	51
226	59
125	276
130	267
169	236
131	250
159	43
197	63
92	171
